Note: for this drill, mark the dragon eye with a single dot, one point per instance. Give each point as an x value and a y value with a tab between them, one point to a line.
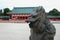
34	16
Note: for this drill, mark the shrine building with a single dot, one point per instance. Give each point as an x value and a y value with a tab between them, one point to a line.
20	13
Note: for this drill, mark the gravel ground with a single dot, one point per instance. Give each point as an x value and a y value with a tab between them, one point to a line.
20	31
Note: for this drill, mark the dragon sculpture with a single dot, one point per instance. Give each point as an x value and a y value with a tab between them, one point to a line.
41	27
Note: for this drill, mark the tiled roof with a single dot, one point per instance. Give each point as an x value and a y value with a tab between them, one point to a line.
22	10
4	16
53	16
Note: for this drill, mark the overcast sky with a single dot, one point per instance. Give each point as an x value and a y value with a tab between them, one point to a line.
47	4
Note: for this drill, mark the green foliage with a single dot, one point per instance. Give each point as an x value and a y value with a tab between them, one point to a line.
54	12
6	10
0	11
59	13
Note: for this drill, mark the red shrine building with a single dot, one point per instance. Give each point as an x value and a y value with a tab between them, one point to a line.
54	18
20	13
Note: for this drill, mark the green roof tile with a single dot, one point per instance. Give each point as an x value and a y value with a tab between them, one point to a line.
22	10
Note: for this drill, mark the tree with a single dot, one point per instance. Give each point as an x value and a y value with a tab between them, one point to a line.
59	13
54	12
6	10
0	11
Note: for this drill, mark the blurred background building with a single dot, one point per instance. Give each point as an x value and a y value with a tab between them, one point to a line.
22	13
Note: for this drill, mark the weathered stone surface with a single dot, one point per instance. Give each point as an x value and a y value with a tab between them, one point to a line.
41	28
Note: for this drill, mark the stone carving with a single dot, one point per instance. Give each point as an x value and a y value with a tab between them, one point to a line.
41	28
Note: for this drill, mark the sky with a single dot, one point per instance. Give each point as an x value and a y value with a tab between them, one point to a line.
47	4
